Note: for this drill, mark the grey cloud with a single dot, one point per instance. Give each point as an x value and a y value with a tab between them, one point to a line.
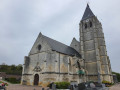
22	20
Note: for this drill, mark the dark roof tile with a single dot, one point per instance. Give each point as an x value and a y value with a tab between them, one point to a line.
88	13
60	47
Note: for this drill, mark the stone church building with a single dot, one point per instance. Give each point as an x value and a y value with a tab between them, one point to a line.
84	60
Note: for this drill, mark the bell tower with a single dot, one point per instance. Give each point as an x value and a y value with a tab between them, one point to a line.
93	48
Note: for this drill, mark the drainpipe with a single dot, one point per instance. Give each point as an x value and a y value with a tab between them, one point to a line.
59	66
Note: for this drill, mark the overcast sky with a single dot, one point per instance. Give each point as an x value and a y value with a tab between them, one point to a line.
22	20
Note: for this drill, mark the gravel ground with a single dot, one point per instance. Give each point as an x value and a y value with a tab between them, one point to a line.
115	87
23	87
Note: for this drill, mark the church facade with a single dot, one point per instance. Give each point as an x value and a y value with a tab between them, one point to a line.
84	60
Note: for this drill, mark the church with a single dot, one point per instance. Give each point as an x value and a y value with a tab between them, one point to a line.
84	60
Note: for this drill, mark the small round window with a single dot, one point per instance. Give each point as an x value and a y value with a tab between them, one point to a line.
39	47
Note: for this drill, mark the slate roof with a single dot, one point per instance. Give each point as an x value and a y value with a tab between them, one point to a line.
62	48
88	13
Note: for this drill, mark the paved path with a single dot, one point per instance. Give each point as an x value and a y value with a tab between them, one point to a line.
23	87
115	87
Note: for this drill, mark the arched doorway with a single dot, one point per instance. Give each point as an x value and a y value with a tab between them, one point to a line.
36	79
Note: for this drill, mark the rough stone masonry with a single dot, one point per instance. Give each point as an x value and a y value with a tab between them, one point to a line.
52	61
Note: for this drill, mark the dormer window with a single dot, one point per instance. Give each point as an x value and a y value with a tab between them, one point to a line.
39	47
85	26
90	24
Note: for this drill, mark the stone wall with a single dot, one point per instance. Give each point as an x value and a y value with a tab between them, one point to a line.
93	50
53	65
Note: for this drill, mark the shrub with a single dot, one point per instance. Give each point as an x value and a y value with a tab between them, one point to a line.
107	83
62	85
118	75
12	80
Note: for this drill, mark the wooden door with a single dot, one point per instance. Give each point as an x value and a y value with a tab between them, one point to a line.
36	79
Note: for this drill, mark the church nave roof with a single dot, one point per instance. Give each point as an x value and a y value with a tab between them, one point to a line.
60	47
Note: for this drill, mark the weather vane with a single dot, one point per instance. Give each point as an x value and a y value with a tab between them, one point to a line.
88	2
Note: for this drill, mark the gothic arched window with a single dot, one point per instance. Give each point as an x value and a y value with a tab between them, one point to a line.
90	24
85	25
39	47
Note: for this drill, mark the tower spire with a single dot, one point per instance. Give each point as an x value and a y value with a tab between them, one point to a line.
88	13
